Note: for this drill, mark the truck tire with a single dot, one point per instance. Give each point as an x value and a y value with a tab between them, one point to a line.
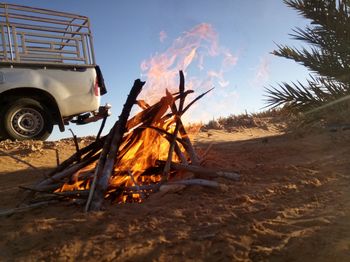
25	118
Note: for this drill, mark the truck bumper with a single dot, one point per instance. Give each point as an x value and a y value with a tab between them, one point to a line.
102	112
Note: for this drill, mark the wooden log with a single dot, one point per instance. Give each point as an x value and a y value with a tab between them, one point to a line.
187	182
177	114
76	145
44	188
94	146
188	145
181	91
151	114
57	157
65	173
180	154
186	142
203	171
152	187
120	128
171	148
74	194
195	182
99	168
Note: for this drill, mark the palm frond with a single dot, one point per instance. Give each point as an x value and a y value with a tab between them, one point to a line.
327	56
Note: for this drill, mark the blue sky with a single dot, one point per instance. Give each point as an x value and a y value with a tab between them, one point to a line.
128	33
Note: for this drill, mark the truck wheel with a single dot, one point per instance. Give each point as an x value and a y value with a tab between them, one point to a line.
25	119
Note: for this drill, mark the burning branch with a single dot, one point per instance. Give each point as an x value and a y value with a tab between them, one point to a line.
177	114
110	157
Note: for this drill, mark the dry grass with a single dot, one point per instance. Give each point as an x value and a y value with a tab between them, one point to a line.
335	117
233	123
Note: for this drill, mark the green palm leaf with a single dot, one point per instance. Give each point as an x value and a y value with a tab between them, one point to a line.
327	56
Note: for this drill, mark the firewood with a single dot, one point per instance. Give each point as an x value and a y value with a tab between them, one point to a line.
167	189
203	171
66	172
94	166
177	114
152	187
150	114
73	193
174	186
44	188
172	145
170	188
57	157
180	154
188	145
96	145
117	135
99	167
195	182
76	145
186	141
181	91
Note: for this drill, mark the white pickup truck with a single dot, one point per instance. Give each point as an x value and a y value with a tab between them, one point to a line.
48	74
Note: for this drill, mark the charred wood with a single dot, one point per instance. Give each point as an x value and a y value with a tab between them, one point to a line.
117	135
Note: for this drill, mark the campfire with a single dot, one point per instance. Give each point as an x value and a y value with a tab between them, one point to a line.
141	155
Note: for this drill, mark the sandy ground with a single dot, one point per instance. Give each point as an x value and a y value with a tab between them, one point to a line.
292	204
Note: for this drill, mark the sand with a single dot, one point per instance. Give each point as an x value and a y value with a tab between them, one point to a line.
292	204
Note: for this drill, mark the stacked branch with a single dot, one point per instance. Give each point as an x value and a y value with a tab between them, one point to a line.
106	169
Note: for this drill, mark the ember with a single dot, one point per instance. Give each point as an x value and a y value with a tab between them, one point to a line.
139	156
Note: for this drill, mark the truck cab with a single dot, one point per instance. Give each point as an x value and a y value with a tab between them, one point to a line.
48	73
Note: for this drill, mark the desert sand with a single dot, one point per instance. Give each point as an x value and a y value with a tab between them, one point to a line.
292	203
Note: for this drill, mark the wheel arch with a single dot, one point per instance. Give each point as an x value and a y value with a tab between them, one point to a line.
39	95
